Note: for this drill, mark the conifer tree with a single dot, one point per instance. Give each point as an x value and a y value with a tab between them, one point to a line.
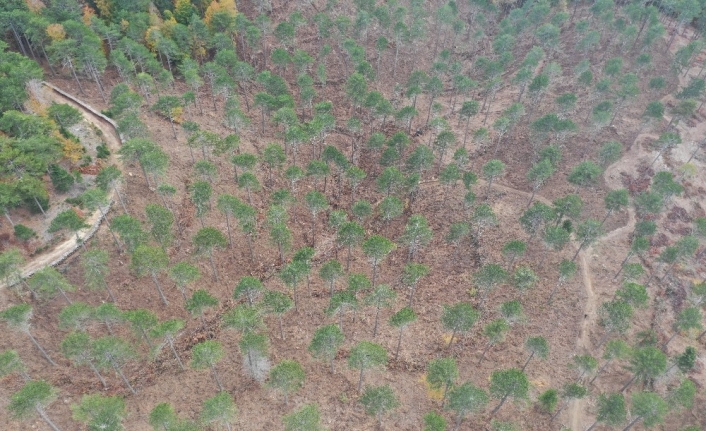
206	355
288	377
113	352
100	412
459	317
378	400
17	317
219	409
33	398
150	260
326	342
365	355
401	320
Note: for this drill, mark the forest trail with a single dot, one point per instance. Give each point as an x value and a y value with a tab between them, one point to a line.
64	249
578	417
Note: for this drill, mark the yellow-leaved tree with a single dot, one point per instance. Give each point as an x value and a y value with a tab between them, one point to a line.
56	32
88	13
220	15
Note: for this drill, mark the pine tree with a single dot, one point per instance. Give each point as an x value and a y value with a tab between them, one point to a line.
47	281
401	320
536	346
382	296
376	248
495	332
95	270
459	317
306	418
10	362
113	352
248	287
220	410
205	240
183	273
326	342
442	373
508	383
17	317
287	376
168	331
378	400
100	412
142	321
150	260
206	355
465	399
365	355
611	410
78	347
33	398
277	303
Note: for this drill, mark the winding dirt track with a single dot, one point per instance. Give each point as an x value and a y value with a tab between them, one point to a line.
631	159
65	249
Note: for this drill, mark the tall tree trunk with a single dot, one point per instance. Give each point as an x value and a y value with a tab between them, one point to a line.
230	237
600	370
627	385
281	331
377	319
45	418
122	376
38	346
451	340
159	288
360	379
176	355
215	377
528	361
558	411
622	265
399	343
634	421
63	294
95	371
495	410
7	216
578	251
213	265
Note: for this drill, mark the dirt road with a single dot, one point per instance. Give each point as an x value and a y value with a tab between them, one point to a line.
65	249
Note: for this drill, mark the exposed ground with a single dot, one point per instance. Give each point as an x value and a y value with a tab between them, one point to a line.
572	327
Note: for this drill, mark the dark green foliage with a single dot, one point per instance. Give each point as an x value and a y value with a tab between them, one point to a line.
23	233
61	179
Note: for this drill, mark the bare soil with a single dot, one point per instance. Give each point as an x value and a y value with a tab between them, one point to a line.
569	324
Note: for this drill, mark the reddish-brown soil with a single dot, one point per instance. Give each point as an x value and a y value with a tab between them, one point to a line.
562	323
